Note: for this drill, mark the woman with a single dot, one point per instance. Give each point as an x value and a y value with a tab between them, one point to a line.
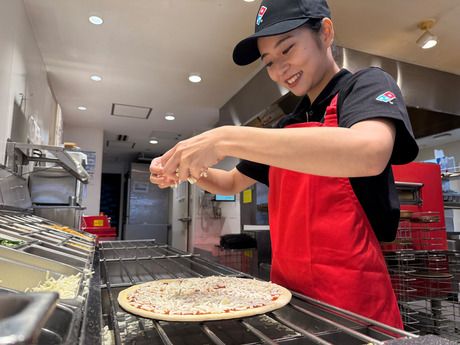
328	165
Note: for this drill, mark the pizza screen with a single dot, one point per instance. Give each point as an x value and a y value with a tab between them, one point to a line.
211	297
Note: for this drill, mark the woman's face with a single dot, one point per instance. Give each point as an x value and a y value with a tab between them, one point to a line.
296	60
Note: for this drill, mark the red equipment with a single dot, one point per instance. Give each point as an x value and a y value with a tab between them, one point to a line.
422	217
99	226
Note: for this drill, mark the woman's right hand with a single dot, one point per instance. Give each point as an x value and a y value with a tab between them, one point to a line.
157	175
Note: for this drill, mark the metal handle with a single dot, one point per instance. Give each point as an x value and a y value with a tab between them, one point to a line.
25	325
185	219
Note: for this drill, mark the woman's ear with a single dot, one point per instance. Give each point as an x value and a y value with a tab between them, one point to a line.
327	32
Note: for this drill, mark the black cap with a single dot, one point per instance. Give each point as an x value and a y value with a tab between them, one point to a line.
277	17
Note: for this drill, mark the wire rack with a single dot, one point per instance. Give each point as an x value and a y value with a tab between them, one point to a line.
425	276
243	260
302	321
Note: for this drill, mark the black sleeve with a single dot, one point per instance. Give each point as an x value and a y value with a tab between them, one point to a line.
256	171
372	93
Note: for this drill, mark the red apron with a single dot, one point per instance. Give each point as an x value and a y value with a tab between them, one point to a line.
323	244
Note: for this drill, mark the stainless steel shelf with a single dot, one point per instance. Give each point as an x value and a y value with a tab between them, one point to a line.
19	154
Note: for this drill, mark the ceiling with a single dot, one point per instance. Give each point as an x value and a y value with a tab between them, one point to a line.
146	49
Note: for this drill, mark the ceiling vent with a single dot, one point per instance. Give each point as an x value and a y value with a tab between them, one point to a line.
131	111
146	156
166	135
117	144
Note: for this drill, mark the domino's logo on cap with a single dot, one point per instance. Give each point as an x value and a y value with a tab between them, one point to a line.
260	15
386	97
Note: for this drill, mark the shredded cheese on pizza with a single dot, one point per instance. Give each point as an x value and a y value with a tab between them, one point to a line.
198	296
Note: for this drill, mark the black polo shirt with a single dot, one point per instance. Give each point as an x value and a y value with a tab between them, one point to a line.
369	93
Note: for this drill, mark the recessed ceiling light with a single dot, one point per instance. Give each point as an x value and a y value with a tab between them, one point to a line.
153	141
82	108
95	20
248	0
170	116
96	77
194	78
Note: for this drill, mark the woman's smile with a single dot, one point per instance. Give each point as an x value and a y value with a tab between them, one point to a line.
293	80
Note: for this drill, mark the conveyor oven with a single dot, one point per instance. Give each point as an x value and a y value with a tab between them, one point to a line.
302	321
92	315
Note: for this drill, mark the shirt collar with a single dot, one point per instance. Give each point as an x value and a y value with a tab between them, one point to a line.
305	111
325	97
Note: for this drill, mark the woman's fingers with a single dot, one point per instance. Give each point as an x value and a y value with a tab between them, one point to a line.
189	159
156	168
157	175
163	182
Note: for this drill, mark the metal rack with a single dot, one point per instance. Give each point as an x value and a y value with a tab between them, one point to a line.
303	320
42	237
19	154
427	286
425	276
45	249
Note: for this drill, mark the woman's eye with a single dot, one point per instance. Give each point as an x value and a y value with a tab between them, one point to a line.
287	49
269	64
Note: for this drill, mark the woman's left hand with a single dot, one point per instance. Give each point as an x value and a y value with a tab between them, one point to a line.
190	159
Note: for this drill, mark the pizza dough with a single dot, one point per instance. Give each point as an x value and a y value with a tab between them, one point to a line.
203	299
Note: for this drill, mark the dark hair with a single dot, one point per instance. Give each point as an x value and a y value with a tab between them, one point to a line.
315	25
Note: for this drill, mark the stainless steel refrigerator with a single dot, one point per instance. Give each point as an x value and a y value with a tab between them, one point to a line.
147	207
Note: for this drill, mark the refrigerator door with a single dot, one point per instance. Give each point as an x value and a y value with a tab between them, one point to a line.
148	207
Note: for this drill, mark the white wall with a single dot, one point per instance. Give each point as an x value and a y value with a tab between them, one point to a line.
89	139
22	71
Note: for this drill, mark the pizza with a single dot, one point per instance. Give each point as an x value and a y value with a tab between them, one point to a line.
203	299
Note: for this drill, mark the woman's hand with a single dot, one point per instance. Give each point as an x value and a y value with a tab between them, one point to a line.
157	175
191	158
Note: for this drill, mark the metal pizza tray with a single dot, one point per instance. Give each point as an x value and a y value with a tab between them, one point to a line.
68	251
23	315
58	234
81	248
21	228
56	255
37	261
21	277
59	328
14	236
80	240
45	238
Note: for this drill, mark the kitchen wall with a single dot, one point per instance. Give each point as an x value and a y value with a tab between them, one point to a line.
450	149
89	139
23	77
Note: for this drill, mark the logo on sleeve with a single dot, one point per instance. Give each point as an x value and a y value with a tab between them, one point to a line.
386	97
260	15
